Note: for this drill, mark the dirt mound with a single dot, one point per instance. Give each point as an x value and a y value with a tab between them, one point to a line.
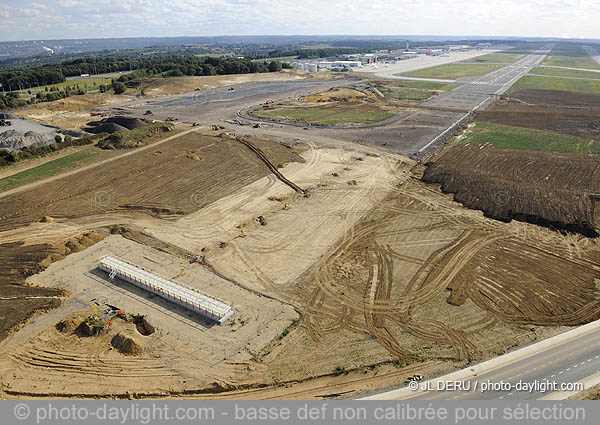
129	123
126	344
143	326
558	190
108	127
90	327
46	219
66	326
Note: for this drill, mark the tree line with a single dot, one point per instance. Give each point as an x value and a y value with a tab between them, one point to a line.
19	79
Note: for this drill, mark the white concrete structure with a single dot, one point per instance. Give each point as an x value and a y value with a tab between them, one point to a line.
339	64
205	305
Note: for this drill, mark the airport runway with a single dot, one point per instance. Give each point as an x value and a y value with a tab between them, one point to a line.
416	131
476	93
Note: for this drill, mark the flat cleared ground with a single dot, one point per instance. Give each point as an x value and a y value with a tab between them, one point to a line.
453	71
178	85
161	180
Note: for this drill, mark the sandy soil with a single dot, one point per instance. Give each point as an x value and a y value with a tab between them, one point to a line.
221	355
72	112
188	172
178	85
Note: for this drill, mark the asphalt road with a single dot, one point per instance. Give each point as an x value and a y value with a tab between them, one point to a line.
569	362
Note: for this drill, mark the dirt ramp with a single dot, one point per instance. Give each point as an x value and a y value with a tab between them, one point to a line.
545	188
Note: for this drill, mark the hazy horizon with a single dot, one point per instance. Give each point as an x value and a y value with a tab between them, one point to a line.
77	19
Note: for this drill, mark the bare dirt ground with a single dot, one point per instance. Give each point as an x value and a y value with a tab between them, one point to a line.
178	85
72	112
403	276
371	278
18	301
171	179
562	112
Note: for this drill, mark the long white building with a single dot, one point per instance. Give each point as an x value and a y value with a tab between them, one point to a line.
196	301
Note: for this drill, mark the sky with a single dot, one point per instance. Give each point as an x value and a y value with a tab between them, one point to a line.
58	19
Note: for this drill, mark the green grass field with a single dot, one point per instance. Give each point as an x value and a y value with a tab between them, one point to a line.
495	58
49	169
454	70
551	83
572	56
559	72
430	85
320	116
509	137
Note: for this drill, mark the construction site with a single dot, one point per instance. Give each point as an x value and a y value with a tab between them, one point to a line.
292	238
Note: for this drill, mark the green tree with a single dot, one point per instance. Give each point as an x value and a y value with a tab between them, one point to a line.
274	66
118	87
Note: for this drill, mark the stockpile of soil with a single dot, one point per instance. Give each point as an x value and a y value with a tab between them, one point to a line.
129	123
126	344
14	140
108	127
113	124
551	189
